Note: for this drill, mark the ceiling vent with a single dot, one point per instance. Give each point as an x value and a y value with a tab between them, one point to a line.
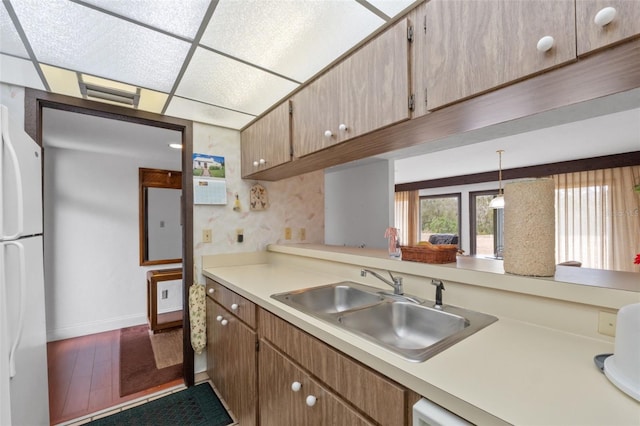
93	91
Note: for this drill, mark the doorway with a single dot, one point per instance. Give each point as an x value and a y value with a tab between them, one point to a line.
35	103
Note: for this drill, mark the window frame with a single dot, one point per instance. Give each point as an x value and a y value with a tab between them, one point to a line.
458	196
472	220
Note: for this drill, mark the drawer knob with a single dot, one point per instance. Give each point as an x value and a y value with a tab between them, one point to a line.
296	386
545	44
212	290
224	322
311	400
234	307
605	16
328	134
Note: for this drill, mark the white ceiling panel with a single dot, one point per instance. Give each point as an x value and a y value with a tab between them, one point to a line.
221	81
392	7
292	38
178	17
205	113
10	42
20	72
85	40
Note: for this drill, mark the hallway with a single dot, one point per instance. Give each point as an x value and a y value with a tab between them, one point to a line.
84	376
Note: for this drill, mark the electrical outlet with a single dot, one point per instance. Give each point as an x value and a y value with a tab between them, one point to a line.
287	233
206	235
607	323
303	234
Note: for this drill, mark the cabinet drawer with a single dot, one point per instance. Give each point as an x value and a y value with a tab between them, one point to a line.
242	308
280	404
380	398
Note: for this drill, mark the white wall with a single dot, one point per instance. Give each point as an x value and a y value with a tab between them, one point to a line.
93	278
359	204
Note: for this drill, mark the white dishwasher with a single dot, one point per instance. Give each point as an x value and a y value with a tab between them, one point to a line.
426	413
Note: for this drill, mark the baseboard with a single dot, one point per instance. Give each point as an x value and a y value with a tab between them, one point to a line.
94	327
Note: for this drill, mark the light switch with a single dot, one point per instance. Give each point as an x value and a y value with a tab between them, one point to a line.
206	235
287	233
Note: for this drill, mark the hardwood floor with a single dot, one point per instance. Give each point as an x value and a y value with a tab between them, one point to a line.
84	376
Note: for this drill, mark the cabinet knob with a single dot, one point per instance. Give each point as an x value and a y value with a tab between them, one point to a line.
262	161
311	400
343	127
545	44
605	16
219	318
234	307
255	163
212	290
224	322
328	134
296	386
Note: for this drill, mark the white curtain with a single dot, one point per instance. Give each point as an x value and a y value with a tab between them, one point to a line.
597	218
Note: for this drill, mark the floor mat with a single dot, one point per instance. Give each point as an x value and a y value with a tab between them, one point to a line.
195	406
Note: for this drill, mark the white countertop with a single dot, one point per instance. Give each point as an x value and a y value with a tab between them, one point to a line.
511	371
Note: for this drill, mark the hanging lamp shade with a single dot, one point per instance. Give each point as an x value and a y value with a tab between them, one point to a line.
498	201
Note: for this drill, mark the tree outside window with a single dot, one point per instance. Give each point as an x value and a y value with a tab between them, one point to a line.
439	215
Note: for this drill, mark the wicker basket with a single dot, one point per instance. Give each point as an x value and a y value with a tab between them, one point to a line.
430	253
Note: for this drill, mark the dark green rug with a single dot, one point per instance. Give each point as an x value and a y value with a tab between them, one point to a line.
195	406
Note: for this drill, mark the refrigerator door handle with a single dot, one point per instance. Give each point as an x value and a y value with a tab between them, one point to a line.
18	176
23	305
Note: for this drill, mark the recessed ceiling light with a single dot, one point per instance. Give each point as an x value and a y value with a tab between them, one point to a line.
175	145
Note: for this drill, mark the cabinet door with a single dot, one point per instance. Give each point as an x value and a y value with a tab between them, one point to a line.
281	405
374	84
591	36
473	46
268	139
315	113
234	357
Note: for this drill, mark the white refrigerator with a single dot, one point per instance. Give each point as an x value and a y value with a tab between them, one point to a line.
24	394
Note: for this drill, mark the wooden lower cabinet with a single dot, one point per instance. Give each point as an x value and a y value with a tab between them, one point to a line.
280	405
232	362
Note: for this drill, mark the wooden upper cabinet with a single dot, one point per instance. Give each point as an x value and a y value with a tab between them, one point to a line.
474	46
592	36
268	139
365	92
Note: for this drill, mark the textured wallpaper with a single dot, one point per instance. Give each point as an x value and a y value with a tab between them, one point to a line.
295	203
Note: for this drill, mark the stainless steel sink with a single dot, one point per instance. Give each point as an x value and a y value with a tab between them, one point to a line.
416	331
331	298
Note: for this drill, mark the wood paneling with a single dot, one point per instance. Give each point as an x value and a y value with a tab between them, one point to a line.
608	72
474	46
591	36
269	139
419	60
378	397
280	405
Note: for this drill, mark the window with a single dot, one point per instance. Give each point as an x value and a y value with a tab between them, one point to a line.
440	214
487	236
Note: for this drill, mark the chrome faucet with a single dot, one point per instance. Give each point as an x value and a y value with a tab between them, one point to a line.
396	282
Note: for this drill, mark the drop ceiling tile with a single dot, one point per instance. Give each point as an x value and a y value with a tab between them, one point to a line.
392	7
218	80
20	72
292	38
198	111
178	17
10	42
72	36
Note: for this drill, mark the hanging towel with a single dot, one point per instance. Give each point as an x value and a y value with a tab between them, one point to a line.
198	317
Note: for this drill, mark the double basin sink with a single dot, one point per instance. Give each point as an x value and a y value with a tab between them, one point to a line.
405	325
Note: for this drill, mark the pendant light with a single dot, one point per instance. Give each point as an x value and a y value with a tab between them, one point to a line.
498	201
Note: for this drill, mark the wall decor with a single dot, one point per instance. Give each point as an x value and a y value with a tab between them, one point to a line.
258	198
